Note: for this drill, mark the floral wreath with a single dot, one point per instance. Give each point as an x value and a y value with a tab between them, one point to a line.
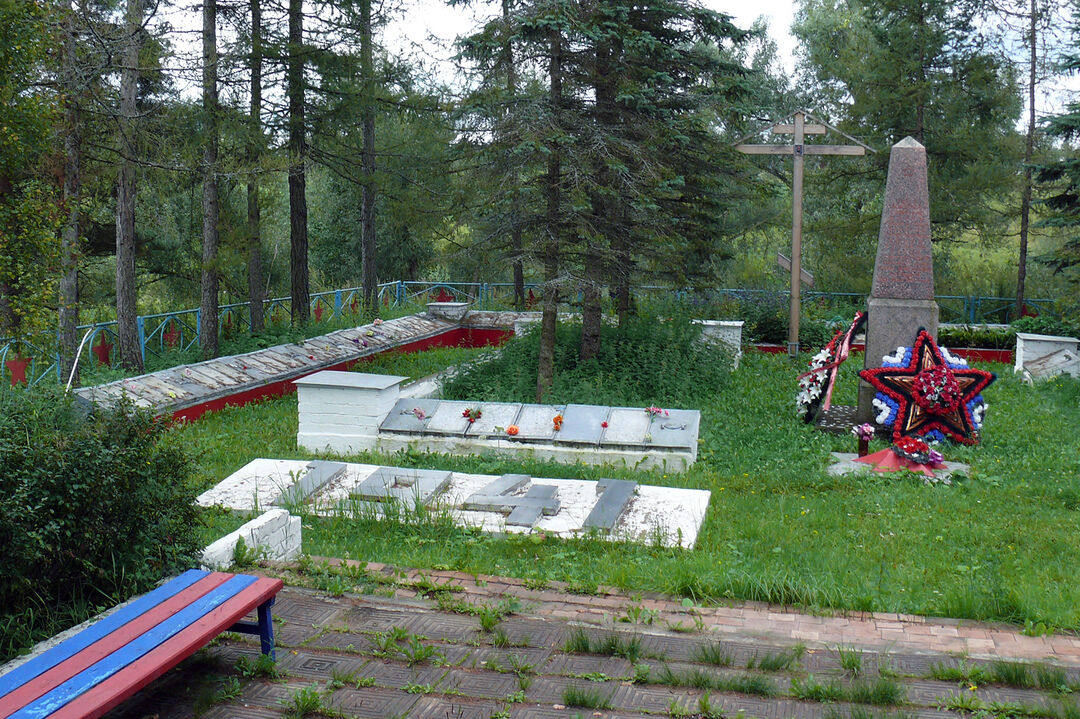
815	385
926	391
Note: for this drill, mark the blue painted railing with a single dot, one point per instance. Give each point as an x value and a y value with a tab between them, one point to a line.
168	332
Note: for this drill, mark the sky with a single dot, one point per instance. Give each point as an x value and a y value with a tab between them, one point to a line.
427	20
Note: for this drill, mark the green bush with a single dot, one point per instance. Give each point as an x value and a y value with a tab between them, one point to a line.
975	336
93	508
1044	324
645	360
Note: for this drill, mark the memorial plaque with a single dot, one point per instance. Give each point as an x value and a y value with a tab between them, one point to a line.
403	485
404	417
535	421
494	419
447	418
583	424
627	426
523	510
615	495
678	430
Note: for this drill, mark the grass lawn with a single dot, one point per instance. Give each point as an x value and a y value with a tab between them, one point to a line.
1001	544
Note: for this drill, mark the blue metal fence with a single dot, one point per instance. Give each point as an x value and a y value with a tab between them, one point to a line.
178	332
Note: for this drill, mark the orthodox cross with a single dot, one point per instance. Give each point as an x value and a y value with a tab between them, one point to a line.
798	149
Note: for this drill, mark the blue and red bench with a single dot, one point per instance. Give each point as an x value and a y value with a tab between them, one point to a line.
91	672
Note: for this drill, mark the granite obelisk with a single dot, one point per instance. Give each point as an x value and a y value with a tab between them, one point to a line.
902	298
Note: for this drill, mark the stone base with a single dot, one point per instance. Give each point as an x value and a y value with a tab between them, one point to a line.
890	324
274	534
844	463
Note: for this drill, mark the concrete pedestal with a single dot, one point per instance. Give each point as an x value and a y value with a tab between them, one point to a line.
890	324
342	411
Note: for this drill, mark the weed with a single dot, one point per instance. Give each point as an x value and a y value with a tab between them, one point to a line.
339	679
777	661
964	702
386	643
880	691
410	688
1051	678
417	653
850	660
524	681
489	618
303	702
613	645
641	674
263	666
706	710
517	697
675	709
501	714
811	690
519	666
637	614
364	682
574	696
592	676
712	653
966	672
1014	674
699	679
499	638
230	689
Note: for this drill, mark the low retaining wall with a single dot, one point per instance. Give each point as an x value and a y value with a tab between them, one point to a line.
274	535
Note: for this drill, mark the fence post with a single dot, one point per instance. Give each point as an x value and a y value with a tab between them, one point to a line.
337	303
198	328
399	293
140	327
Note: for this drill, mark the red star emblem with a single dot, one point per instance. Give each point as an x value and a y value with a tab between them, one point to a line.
930	394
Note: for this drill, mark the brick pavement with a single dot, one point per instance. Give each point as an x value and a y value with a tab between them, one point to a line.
416	648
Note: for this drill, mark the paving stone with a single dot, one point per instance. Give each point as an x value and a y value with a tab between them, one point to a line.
534	633
345	641
501	656
486	684
271	695
653	700
373	702
444	627
310	665
393	674
372	619
573	664
238	711
431	707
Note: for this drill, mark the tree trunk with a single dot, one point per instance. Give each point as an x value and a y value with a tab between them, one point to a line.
69	234
545	371
298	237
1029	151
208	330
603	210
126	312
515	201
369	277
254	239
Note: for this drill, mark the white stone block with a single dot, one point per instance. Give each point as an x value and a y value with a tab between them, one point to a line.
1030	347
333	404
727	333
452	311
276	534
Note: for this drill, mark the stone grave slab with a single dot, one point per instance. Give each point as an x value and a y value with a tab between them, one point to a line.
316	474
403	417
495	417
523	510
615	495
677	430
535	421
448	419
403	485
583	424
627	426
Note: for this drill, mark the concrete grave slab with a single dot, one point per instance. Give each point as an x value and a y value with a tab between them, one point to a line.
404	418
677	429
403	485
535	421
627	426
508	503
448	418
495	417
583	424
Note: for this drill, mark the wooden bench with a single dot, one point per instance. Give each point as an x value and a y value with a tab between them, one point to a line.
91	672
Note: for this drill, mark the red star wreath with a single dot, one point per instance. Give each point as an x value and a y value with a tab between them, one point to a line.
930	394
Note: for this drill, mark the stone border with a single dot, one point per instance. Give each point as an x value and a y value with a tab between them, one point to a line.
274	535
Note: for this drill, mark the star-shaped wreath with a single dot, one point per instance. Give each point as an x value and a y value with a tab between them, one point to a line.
931	393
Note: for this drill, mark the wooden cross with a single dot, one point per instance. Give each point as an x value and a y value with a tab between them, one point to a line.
798	149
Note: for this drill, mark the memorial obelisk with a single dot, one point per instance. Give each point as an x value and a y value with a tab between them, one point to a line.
902	297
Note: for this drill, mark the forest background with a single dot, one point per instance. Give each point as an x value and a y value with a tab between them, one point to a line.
155	156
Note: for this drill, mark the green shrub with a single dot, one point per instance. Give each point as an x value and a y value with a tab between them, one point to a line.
977	336
646	359
93	508
1044	324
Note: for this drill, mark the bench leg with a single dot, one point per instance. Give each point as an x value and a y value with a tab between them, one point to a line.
266	628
